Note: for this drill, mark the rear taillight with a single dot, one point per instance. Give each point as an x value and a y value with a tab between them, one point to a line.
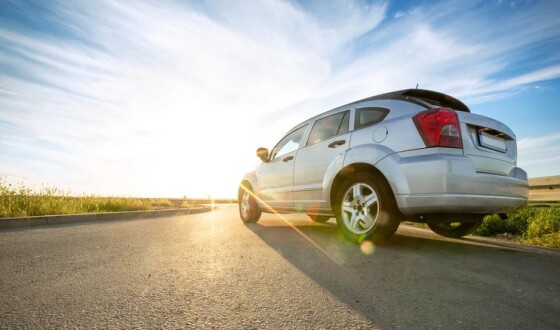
439	128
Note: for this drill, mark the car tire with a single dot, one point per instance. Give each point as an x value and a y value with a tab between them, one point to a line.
319	218
455	229
249	209
365	209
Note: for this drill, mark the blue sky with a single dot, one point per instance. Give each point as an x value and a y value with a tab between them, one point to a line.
171	98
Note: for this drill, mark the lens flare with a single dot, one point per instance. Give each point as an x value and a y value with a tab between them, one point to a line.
367	248
297	230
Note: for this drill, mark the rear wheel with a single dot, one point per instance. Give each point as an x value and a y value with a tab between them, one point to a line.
365	209
249	209
456	229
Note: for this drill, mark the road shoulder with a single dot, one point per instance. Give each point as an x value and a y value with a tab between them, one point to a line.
47	220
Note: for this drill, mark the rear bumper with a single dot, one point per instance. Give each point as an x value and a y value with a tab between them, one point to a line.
449	183
446	203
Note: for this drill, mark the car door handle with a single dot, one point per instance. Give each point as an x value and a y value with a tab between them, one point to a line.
287	159
337	143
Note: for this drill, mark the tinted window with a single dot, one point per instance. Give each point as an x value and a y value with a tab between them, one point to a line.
289	143
330	126
369	116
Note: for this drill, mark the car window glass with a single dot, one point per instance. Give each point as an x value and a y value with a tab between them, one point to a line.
344	125
327	127
289	143
369	116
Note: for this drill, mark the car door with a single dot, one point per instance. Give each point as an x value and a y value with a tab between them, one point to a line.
276	176
328	139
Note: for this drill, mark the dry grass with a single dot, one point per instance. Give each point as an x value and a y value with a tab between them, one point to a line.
21	201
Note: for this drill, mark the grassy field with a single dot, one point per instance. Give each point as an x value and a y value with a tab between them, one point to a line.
20	201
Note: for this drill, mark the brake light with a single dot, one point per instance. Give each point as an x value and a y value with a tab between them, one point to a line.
439	128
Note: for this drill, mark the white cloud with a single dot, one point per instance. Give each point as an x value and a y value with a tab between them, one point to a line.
162	98
540	156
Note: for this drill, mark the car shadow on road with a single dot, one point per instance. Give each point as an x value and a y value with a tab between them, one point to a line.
410	277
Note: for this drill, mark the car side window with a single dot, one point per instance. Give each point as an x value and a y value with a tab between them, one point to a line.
289	143
369	116
330	126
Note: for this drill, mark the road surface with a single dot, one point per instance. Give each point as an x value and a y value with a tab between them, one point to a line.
212	271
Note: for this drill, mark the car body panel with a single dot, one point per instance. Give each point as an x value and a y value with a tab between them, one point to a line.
275	180
311	165
454	176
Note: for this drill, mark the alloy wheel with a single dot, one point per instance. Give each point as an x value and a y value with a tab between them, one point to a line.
360	208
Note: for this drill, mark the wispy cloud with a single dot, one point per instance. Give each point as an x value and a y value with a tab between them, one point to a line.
168	98
540	154
460	47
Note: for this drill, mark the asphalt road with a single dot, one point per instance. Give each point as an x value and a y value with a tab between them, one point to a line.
211	271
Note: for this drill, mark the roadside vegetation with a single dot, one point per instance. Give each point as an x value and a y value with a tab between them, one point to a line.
537	225
21	201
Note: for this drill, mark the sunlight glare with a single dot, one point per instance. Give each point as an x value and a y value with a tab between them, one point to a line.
367	248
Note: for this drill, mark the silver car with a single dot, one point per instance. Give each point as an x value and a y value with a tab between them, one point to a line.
415	155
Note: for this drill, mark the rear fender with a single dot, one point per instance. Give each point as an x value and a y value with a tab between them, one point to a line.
362	154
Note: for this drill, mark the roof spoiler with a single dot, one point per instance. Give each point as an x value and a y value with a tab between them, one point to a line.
431	97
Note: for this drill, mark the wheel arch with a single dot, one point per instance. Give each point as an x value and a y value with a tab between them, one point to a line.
352	169
244	183
249	181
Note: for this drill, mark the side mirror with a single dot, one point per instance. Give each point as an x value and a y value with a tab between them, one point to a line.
262	153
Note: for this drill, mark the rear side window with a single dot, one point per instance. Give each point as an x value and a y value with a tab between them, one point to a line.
330	126
369	116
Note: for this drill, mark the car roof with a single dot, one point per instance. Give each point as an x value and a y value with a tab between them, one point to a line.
428	96
423	97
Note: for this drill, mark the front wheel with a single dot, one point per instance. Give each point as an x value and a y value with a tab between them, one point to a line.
365	209
455	229
249	209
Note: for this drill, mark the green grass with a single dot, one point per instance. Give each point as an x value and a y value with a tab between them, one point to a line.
544	229
21	201
531	225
